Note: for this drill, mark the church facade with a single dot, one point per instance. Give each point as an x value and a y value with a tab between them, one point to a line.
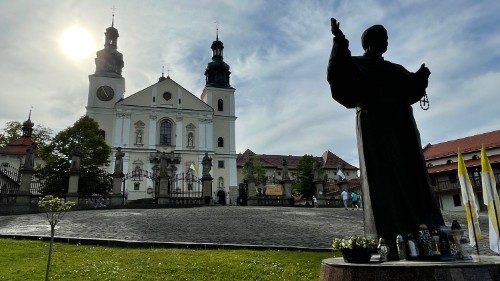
165	117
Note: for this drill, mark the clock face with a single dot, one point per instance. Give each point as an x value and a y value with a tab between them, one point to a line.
105	93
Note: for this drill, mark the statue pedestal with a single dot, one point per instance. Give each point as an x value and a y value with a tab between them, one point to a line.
484	268
206	189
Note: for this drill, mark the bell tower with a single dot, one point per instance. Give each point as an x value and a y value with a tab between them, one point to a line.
219	94
106	85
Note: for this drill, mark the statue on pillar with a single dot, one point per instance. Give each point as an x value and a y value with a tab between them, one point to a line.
119	162
317	165
164	173
75	160
29	160
284	171
249	170
207	166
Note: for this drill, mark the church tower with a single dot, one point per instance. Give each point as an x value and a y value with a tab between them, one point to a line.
106	85
219	94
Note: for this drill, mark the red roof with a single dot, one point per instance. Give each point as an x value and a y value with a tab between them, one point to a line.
276	161
17	147
468	144
468	163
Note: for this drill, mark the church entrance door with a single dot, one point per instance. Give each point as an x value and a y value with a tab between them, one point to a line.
221	197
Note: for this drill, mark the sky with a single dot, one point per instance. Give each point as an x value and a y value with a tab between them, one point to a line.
278	52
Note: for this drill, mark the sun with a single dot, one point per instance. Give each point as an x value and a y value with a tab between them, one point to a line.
76	43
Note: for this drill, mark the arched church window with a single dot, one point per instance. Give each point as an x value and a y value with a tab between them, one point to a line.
190	140
220	105
220	142
221	182
102	134
166	132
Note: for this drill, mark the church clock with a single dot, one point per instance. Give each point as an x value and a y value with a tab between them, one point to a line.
105	93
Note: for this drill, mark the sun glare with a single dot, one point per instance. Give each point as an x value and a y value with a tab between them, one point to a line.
76	43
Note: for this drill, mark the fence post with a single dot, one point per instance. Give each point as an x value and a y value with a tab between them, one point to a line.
117	196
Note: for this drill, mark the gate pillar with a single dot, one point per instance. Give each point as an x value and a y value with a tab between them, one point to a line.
117	196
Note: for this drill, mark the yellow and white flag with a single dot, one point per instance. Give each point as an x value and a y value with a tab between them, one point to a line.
490	196
194	168
469	201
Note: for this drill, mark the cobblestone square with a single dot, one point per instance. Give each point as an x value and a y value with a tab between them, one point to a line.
267	226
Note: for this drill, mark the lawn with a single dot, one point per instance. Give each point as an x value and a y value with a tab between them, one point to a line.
26	260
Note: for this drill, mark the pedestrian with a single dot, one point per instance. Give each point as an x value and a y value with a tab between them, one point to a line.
345	198
354	199
315	202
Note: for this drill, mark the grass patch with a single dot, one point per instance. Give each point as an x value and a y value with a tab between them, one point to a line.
26	260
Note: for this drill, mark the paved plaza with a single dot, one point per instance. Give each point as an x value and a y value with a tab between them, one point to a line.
268	226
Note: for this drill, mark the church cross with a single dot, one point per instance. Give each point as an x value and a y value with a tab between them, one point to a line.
113	16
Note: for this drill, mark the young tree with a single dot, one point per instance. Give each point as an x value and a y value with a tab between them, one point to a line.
305	178
85	135
54	208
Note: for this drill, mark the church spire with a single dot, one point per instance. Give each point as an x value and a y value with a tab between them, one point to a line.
109	61
217	72
28	126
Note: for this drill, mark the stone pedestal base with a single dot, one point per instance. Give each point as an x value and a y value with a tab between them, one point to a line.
484	268
116	200
72	197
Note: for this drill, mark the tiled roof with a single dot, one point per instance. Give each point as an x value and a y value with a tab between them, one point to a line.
468	163
17	147
330	160
468	144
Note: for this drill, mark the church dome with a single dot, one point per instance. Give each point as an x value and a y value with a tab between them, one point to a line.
112	32
217	71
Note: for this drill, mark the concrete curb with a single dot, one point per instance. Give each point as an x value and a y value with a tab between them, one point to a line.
158	244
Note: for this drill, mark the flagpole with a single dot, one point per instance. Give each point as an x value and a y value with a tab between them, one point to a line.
498	226
472	220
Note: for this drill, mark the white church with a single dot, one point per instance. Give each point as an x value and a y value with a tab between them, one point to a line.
165	117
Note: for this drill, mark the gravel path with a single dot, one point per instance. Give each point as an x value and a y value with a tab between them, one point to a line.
302	227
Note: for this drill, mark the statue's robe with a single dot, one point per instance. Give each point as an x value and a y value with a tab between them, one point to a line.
396	191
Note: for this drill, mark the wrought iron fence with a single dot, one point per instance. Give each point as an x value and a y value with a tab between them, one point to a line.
185	185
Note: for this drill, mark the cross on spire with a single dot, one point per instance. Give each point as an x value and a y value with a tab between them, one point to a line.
217	30
113	16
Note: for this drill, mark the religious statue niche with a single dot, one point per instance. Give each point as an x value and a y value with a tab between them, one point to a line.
139	133
190	128
397	196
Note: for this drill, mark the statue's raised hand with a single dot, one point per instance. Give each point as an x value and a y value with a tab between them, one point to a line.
336	28
423	71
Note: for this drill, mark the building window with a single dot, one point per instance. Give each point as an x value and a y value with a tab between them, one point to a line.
475	157
166	132
221	164
221	182
137	186
220	105
220	142
449	162
102	134
456	200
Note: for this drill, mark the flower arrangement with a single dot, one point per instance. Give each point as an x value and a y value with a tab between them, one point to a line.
353	242
355	249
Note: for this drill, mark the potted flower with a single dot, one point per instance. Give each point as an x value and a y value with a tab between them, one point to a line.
355	249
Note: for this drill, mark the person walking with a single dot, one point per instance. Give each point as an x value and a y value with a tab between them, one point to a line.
315	202
345	198
354	199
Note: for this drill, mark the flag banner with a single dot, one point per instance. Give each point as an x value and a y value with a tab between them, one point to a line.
490	196
194	168
469	201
